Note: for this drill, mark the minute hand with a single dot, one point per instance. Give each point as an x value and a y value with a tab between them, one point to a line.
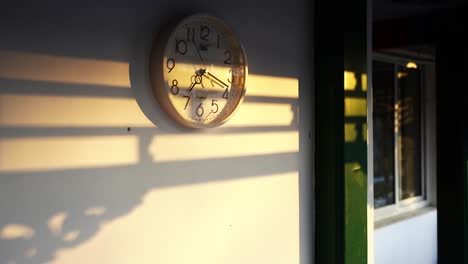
214	77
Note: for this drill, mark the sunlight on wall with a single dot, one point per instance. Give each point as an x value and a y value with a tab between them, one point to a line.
16	231
26	154
350	81
257	85
52	68
350	132
71	236
229	222
204	146
364	82
95	211
262	114
42	111
252	219
55	223
355	107
261	88
271	86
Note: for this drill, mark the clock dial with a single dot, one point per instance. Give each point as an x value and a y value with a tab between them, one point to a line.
199	74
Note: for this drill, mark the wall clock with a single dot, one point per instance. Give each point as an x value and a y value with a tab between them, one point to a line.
198	71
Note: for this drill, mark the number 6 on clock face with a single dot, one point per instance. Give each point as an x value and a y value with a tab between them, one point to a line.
198	71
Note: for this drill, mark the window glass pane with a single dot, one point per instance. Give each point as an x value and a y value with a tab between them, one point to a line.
383	122
408	131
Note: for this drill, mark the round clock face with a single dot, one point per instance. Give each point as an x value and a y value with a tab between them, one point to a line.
198	72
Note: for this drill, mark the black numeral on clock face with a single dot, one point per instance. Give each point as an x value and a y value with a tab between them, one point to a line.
188	100
213	103
225	94
229	79
229	56
204	32
174	87
200	111
170	64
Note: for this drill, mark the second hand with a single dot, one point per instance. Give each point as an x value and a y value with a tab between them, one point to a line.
199	55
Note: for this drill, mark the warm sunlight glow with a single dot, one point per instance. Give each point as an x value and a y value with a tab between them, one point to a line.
52	68
86	177
208	146
16	231
401	74
355	107
95	211
47	111
350	132
263	114
263	89
56	222
262	85
411	65
71	236
257	85
184	74
364	82
250	220
350	81
355	167
54	153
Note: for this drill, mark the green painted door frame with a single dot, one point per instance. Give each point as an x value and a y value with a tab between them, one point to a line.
341	43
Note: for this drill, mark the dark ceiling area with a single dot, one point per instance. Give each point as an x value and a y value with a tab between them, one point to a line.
392	9
416	24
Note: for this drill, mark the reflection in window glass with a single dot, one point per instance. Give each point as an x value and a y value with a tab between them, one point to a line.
383	120
408	131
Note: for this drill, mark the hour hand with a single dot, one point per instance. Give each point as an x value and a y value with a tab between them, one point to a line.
196	79
191	87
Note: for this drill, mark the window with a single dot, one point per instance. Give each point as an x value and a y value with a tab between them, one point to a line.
399	180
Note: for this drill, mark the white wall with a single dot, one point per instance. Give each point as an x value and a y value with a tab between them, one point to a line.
412	241
91	171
